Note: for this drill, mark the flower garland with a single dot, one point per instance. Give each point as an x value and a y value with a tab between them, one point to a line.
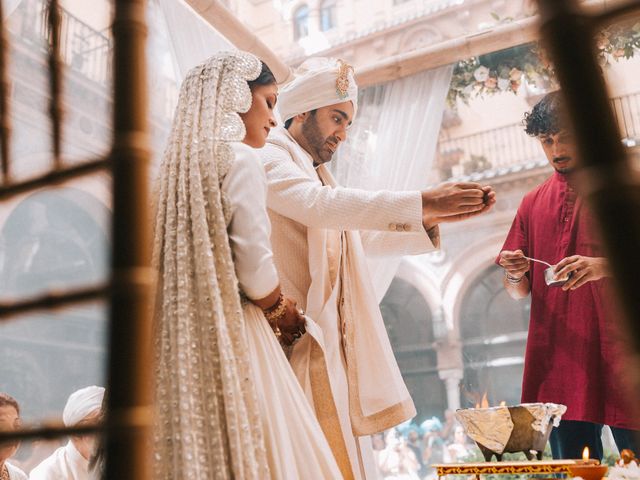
505	70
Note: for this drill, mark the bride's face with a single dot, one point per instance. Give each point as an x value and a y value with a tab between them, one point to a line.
260	119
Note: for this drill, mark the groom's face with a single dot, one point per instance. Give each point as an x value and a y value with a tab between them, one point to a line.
325	128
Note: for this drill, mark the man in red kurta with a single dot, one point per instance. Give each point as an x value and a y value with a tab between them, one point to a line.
573	357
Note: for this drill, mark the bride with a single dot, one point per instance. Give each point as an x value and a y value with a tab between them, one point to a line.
229	405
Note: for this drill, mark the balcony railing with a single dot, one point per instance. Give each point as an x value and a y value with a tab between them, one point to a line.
502	148
491	149
83	49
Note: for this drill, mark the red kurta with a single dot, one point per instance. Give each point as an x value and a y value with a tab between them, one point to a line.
572	355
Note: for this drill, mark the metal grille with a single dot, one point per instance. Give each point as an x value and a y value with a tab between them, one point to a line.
131	281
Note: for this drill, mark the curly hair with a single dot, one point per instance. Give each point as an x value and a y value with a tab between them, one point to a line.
546	117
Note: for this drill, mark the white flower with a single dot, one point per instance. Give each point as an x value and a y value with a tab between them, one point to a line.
503	83
631	471
481	73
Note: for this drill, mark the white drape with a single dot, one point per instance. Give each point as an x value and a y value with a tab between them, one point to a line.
192	39
392	144
178	40
8	6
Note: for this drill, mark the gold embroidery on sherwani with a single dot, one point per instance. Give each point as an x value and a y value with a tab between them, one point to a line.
326	411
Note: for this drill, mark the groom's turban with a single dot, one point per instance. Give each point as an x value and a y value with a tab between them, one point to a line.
81	404
319	82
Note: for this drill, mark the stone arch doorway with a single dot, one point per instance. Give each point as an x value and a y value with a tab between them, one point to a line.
409	323
493	331
53	239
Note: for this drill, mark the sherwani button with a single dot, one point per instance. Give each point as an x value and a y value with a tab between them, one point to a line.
406	227
392	227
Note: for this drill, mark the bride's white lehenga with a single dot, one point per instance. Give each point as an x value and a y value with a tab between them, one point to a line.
228	403
289	424
296	447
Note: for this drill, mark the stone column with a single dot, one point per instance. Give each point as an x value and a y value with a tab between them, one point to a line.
452	380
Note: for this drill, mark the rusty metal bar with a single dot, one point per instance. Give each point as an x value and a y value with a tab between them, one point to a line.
54	177
5	126
130	359
606	179
53	431
55	102
52	300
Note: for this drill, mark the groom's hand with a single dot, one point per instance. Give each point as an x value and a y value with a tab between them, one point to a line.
452	202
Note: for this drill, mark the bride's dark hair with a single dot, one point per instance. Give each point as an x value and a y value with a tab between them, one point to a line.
266	77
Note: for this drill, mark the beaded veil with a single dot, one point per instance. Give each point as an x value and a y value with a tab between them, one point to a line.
208	423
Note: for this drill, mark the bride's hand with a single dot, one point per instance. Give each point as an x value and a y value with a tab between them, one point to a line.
292	322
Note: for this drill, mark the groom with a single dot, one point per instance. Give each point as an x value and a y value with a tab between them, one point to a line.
321	235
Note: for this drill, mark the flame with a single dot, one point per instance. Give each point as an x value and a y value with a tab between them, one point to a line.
585	453
484	403
503	403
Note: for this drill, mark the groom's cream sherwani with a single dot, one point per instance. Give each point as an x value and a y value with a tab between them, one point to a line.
320	235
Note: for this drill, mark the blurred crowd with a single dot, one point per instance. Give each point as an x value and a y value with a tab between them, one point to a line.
408	451
77	459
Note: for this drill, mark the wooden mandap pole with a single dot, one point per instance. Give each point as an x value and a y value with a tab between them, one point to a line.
129	415
226	23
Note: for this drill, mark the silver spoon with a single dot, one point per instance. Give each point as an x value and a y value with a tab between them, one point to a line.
539	261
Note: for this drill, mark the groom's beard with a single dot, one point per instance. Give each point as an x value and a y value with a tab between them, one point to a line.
320	151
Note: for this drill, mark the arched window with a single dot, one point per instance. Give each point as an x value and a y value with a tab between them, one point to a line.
493	330
301	22
327	15
53	239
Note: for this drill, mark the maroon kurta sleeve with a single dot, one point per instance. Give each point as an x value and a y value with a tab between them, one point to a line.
517	236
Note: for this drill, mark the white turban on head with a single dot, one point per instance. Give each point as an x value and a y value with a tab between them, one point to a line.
81	404
319	82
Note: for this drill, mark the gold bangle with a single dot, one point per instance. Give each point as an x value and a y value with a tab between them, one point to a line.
277	311
275	305
274	314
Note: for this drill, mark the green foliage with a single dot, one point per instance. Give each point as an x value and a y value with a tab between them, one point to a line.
610	458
